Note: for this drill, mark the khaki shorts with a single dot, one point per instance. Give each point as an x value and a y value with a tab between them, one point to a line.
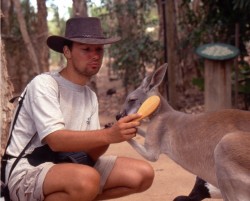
26	183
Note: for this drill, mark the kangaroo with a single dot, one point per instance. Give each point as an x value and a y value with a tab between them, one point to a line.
214	146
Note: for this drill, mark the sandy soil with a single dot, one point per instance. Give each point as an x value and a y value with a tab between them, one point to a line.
170	179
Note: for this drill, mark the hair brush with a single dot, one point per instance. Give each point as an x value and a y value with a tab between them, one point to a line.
148	107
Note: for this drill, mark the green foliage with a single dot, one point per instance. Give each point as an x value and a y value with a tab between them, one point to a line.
199	82
241	5
215	22
244	78
244	83
139	48
56	26
132	56
29	15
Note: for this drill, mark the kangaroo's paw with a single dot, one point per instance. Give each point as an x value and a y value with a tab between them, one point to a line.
141	132
149	153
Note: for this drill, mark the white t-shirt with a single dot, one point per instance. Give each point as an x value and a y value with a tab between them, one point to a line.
53	103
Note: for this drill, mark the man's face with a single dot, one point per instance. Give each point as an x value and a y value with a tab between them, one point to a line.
85	59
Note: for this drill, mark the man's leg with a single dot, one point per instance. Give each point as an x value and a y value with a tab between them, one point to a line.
128	176
71	182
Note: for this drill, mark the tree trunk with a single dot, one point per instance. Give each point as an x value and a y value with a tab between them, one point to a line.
42	33
172	52
5	25
161	5
161	9
26	37
6	95
125	20
80	8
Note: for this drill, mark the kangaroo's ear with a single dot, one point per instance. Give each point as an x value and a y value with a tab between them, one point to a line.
155	79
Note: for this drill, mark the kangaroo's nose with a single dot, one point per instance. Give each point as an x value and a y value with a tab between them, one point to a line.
120	115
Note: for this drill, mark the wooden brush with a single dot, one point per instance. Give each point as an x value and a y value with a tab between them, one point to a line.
148	107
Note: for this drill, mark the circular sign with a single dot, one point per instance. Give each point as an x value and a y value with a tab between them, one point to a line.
217	51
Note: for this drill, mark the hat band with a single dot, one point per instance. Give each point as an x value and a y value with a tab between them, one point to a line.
87	36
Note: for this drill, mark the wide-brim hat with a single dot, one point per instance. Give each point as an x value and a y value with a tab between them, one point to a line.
85	30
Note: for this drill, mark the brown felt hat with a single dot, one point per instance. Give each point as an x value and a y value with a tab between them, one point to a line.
85	30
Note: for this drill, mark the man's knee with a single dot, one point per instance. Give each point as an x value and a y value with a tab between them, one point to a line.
87	182
75	181
146	174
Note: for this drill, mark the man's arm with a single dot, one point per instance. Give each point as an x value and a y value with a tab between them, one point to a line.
87	141
97	152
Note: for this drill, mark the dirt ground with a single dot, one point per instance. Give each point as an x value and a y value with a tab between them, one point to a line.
170	179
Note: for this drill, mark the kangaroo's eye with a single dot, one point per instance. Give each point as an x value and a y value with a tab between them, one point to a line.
132	100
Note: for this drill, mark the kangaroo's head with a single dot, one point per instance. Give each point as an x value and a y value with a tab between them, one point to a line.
147	88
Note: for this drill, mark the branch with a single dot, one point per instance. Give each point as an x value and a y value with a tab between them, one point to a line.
25	35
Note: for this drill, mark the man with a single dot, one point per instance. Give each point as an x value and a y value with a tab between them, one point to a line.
63	111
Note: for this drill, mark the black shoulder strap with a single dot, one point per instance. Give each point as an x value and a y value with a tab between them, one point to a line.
15	118
5	158
8	142
21	155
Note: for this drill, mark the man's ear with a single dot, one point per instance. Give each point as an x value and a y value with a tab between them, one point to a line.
66	52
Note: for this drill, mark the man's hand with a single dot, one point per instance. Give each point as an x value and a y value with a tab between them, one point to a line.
124	129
